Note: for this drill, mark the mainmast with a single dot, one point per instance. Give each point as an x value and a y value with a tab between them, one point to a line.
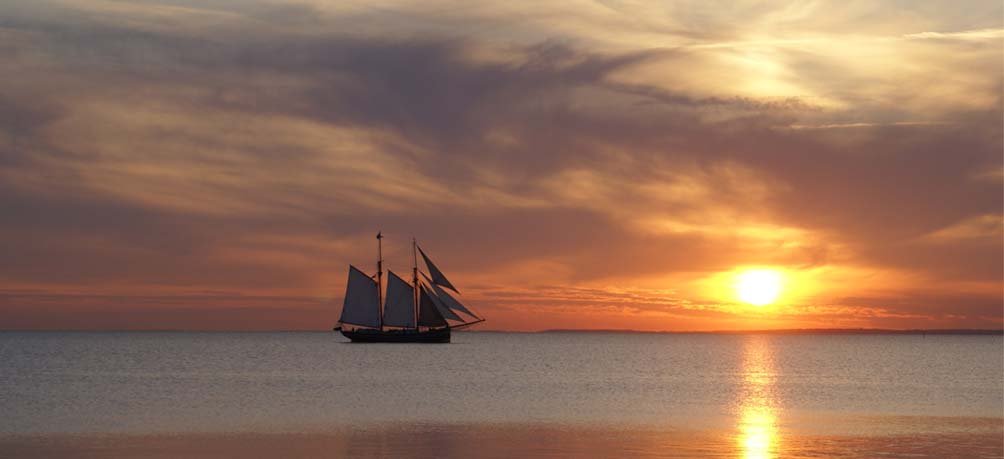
414	278
379	237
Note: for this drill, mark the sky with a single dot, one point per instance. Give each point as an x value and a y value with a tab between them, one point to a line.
217	164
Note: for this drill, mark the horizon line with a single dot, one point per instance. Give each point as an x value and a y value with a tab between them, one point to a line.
776	331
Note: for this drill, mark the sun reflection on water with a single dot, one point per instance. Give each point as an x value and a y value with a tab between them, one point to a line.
758	435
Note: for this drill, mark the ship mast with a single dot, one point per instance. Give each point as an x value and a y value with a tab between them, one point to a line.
414	278
379	237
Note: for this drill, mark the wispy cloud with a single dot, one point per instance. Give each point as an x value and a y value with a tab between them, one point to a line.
582	154
981	34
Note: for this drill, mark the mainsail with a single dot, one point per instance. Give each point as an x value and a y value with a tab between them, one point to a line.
361	306
437	276
428	314
399	307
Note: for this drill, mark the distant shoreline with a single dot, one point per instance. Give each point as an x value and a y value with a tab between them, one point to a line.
790	331
798	331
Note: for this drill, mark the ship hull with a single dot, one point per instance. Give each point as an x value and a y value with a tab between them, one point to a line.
441	335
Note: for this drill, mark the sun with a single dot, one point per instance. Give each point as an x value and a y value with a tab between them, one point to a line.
758	287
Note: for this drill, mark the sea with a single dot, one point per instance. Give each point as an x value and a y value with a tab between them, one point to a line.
489	394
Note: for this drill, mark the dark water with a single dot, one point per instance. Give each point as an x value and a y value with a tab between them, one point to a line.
756	390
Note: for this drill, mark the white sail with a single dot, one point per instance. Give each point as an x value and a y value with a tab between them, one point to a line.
362	305
437	276
399	307
452	302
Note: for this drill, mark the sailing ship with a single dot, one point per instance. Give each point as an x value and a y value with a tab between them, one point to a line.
417	312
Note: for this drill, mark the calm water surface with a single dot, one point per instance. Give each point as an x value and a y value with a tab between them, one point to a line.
758	387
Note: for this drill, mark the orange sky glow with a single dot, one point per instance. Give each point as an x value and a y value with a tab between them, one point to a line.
175	164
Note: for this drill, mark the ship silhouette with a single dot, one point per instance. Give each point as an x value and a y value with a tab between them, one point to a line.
421	311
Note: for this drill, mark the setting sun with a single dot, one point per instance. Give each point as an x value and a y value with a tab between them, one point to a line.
758	287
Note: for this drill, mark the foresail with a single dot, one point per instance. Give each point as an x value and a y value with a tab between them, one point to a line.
362	304
399	308
437	276
428	313
452	302
443	309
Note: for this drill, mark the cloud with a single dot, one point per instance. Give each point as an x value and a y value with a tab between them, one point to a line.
256	146
206	311
981	34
